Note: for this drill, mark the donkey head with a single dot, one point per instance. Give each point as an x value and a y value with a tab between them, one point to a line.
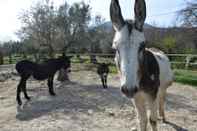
66	62
129	43
103	70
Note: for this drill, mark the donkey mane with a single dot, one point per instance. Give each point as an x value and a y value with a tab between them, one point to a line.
149	69
156	50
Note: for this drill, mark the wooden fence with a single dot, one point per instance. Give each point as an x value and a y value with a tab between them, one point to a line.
184	61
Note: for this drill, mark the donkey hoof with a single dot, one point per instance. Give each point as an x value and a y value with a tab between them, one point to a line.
19	103
28	98
104	87
164	120
52	94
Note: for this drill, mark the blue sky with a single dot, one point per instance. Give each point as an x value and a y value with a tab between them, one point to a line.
159	12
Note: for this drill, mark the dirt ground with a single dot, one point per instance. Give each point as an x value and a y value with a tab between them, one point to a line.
83	105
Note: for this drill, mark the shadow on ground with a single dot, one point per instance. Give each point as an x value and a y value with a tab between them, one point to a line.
176	101
176	127
72	97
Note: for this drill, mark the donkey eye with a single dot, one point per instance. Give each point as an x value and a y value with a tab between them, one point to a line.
114	45
117	58
142	46
117	51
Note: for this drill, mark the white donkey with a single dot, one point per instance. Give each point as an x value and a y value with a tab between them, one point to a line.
145	73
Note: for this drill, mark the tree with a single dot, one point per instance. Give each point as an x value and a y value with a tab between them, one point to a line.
169	43
79	15
94	36
63	26
188	15
100	37
73	25
47	30
39	26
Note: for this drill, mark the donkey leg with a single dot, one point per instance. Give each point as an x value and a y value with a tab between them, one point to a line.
23	83
50	85
25	90
153	114
18	92
103	81
161	104
141	112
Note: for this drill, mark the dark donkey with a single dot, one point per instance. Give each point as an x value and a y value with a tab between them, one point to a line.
103	70
45	70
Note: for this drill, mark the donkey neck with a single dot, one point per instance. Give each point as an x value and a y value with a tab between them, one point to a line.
149	70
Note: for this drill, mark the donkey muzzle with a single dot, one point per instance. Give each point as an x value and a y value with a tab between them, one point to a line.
129	92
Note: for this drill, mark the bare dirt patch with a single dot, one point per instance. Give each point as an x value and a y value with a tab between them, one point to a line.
83	105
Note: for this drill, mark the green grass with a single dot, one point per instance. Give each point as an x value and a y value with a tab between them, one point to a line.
186	77
113	69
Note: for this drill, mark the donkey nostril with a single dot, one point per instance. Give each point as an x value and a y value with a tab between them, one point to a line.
129	92
135	89
69	70
124	89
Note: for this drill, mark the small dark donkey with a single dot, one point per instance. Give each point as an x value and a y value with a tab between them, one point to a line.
103	70
43	71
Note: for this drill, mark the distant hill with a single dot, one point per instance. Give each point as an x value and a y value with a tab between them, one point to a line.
185	37
108	26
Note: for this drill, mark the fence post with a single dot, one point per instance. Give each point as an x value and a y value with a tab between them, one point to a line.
188	58
10	58
93	58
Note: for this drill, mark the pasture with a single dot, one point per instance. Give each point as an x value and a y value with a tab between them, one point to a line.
185	71
83	105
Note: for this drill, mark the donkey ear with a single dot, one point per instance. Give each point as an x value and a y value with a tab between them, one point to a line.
140	14
116	15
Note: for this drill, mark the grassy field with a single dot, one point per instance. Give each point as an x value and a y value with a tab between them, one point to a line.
186	77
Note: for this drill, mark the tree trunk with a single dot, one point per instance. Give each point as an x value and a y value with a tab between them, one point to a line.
24	56
63	75
1	58
36	57
93	59
79	58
